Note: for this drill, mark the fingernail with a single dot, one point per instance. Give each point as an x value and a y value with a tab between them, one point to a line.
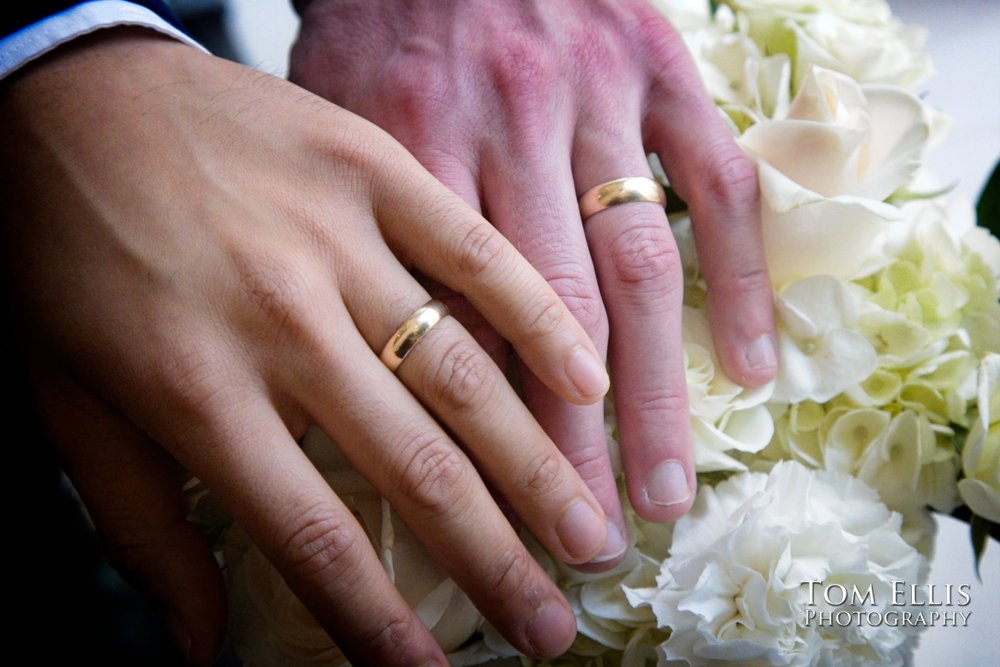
551	630
587	372
667	484
614	545
580	529
762	354
179	635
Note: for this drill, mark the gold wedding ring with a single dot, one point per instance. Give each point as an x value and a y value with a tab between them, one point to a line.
621	191
410	332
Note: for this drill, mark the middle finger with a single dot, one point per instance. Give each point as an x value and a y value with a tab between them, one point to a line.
533	205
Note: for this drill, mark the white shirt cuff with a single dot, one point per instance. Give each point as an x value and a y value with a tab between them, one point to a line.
37	39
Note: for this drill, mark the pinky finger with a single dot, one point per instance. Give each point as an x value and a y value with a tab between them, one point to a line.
289	511
130	489
719	183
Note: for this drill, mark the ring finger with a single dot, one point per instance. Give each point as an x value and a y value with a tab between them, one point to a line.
457	381
409	458
638	269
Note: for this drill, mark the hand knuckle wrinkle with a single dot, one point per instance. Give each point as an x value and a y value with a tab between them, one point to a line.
463	378
434	477
319	543
521	72
545	317
510	572
731	180
391	637
544	474
580	298
661	408
645	254
480	251
277	293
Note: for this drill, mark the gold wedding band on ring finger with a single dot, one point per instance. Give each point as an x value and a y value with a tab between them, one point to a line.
621	191
410	332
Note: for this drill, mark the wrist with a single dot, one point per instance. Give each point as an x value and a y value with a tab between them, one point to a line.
100	60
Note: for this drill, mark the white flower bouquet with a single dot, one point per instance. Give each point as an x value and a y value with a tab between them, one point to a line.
812	529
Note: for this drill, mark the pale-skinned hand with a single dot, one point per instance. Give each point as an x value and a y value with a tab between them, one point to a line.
520	107
203	261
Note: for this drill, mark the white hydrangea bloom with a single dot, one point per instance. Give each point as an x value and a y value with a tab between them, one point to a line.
819	350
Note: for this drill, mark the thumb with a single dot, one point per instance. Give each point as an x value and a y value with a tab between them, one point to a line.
131	490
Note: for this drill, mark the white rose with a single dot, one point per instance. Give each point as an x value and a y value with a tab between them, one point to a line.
685	15
874	12
825	168
887	53
860	38
981	455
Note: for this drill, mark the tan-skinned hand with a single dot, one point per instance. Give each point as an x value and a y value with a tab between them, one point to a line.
203	261
520	107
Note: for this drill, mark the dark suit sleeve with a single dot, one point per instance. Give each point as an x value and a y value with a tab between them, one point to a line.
16	15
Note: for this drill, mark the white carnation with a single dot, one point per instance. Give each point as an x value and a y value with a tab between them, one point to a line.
735	587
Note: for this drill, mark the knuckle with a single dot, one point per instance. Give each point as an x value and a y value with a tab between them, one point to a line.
661	43
481	250
434	478
391	637
645	256
273	291
464	379
592	51
731	180
414	91
512	569
544	474
192	378
349	150
659	409
320	544
581	298
546	316
744	281
591	462
521	71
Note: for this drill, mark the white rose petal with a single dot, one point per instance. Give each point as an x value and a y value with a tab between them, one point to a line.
824	169
981	455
